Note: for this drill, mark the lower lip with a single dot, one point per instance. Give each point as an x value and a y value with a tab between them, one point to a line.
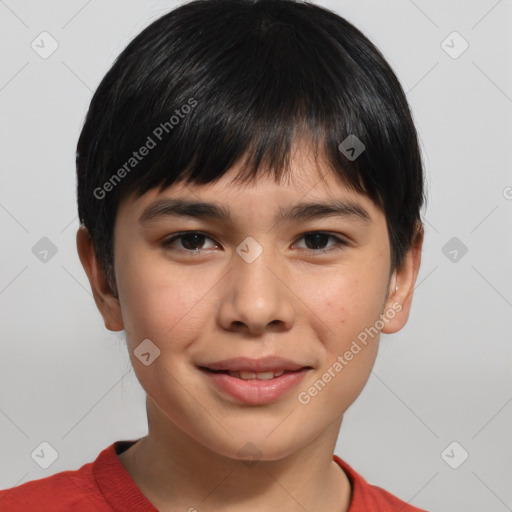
256	391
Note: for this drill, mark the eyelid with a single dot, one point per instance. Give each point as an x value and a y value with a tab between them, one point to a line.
176	236
342	242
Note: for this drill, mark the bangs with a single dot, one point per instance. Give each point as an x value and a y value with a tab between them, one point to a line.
245	100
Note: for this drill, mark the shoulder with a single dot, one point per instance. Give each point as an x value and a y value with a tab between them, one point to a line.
366	497
69	490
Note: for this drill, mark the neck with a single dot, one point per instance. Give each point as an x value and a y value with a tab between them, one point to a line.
177	473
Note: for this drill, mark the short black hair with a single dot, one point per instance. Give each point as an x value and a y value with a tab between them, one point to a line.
217	82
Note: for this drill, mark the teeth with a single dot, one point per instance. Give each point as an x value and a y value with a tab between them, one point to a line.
244	375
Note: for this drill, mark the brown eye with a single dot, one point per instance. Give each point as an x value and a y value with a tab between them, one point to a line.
317	240
191	241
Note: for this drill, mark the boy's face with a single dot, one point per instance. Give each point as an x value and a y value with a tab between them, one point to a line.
200	308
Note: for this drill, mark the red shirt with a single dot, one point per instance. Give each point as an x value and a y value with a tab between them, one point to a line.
105	486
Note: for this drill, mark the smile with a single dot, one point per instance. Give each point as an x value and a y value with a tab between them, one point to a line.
255	388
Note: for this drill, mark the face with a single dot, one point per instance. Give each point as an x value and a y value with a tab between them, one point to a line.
230	301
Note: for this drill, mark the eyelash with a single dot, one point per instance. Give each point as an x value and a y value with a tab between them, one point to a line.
339	246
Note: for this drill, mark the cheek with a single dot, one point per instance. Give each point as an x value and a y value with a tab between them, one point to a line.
346	305
344	302
157	299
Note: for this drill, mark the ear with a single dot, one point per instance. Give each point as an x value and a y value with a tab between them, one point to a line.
401	287
106	301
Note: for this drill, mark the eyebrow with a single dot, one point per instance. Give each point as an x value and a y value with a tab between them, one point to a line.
299	212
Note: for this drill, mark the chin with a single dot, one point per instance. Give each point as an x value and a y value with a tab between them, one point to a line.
254	445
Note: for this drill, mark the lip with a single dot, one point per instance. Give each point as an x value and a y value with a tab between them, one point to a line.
254	391
264	364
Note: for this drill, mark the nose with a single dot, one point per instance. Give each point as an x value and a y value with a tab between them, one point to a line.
256	298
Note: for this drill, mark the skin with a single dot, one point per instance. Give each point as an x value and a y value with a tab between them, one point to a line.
304	306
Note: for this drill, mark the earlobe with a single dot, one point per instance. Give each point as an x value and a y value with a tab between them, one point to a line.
106	301
402	283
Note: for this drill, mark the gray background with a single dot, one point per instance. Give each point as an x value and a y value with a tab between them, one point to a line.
445	377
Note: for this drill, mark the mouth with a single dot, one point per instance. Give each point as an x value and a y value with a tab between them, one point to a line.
255	381
246	368
249	375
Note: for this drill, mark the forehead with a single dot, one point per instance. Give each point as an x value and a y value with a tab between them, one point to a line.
308	179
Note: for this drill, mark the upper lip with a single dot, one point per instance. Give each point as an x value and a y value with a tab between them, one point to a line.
265	364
